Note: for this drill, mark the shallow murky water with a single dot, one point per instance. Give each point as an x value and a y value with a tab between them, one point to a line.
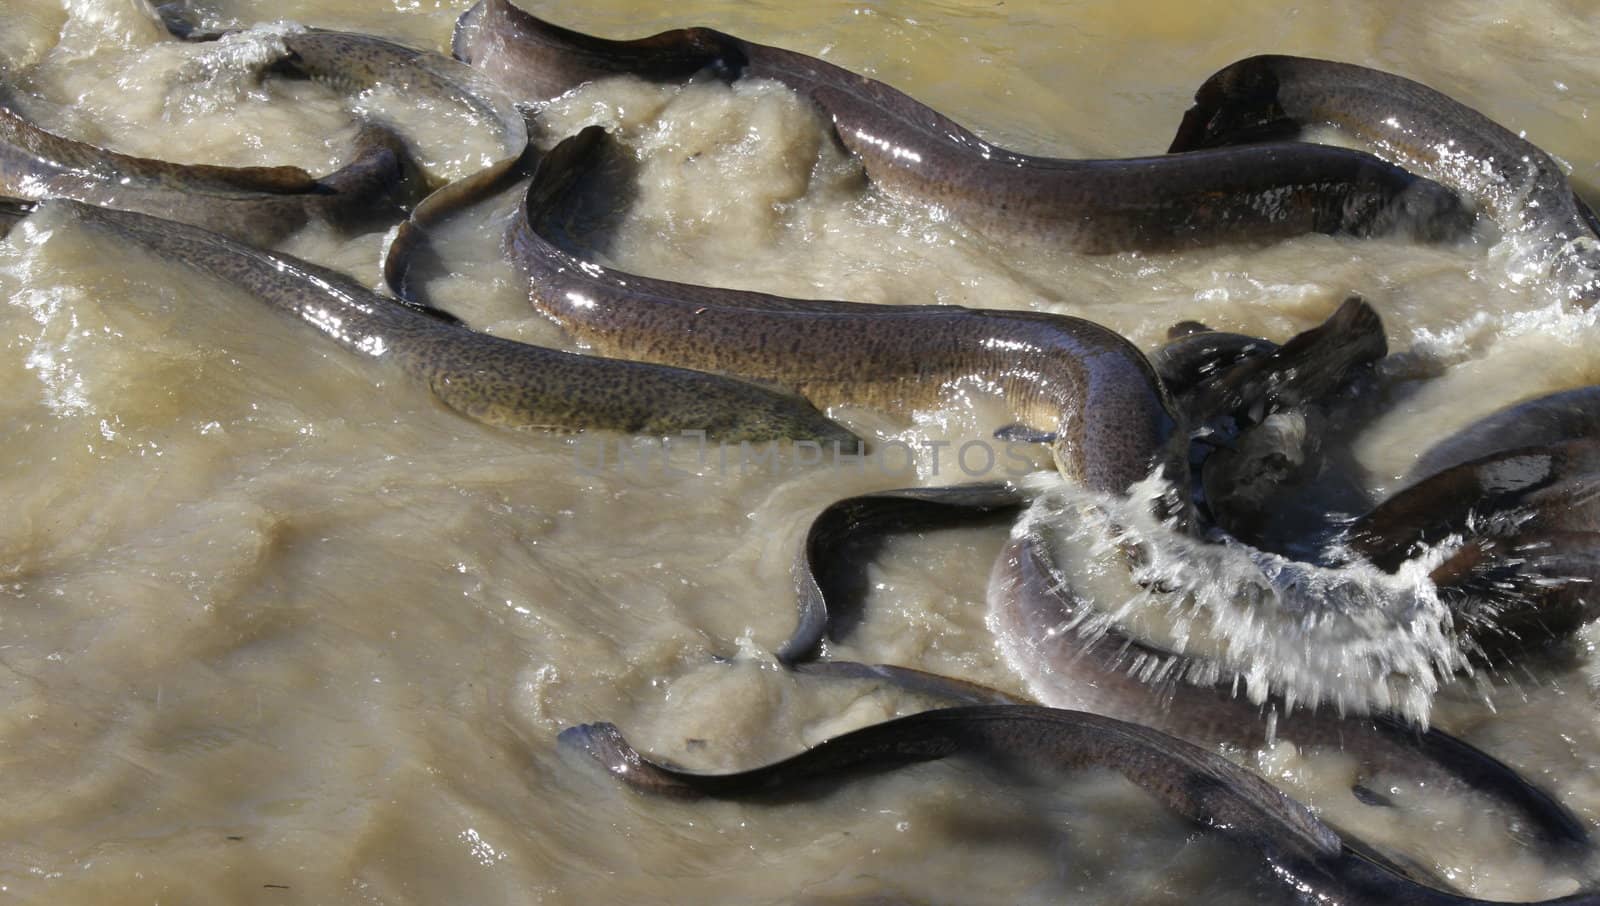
275	627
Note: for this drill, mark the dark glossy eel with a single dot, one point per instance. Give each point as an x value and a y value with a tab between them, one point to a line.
1565	415
1272	420
493	380
1194	353
1205	788
1521	489
822	569
1528	522
12	212
353	63
1414	126
1028	602
1080	387
1312	365
1093	206
258	205
1548	486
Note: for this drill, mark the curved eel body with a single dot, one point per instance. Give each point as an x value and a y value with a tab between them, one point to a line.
1200	786
819	570
1521	489
1520	186
1565	415
258	205
1093	206
493	380
1528	520
353	63
1547	487
1082	388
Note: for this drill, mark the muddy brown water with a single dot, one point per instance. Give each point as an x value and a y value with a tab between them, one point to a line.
277	628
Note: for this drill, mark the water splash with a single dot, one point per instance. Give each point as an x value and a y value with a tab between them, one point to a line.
220	76
1350	637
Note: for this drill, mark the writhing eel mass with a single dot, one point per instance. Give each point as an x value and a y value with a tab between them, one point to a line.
1029	601
599	314
1093	206
1085	389
353	63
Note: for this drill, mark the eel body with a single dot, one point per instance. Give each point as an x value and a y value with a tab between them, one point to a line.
1153	203
487	378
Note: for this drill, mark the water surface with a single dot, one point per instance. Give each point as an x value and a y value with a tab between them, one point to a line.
277	628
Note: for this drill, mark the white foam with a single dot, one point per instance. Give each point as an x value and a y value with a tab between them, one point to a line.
1352	638
218	76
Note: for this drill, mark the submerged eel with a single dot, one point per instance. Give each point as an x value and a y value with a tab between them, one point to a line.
258	205
487	378
1093	206
1524	189
1081	387
1207	789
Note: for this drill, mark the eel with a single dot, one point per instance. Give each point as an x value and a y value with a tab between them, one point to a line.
257	205
492	380
1550	486
1269	418
1553	418
1310	366
1302	851
1315	361
1027	604
1152	203
1073	384
1525	191
819	568
353	63
1035	612
12	212
1520	489
1528	524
